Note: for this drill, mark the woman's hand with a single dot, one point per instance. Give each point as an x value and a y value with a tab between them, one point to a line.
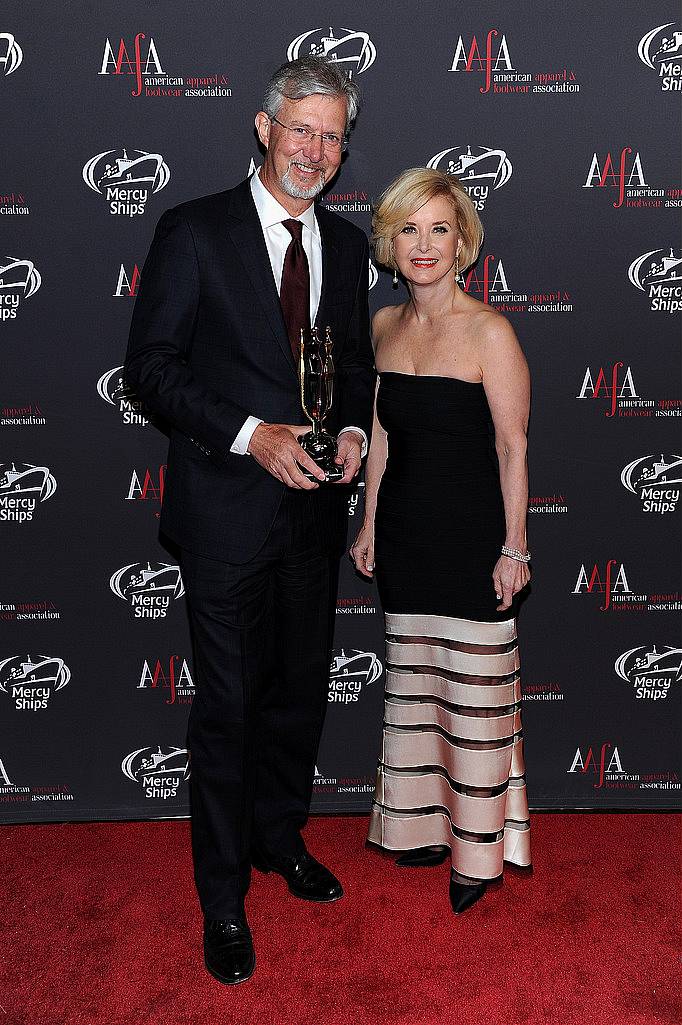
509	577
362	550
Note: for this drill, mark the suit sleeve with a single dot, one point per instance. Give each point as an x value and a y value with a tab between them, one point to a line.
355	369
160	342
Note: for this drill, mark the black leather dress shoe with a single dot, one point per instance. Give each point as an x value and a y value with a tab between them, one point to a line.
423	857
228	949
463	895
305	877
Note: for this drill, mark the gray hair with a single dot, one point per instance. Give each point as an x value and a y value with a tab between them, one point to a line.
308	76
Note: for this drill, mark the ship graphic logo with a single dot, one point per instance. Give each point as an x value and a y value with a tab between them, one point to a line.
110	169
25	479
652	50
650	471
486	166
11	54
151	767
373	275
658	267
355	51
112	387
20	275
361	666
33	671
158	578
644	665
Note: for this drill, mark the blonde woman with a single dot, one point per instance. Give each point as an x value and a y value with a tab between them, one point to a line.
445	524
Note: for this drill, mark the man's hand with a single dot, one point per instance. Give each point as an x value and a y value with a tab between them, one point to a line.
276	448
349	447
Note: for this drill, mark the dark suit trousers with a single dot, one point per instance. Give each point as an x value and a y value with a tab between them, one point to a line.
262	635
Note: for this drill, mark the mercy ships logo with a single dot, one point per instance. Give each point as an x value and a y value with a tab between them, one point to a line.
22	487
480	172
149	590
19	280
656	481
659	274
113	389
11	54
661	49
651	672
355	51
349	672
31	681
160	773
126	181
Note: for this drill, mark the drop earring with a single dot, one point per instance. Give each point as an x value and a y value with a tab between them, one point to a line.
395	277
457	274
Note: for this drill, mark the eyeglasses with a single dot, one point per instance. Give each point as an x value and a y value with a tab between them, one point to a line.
304	135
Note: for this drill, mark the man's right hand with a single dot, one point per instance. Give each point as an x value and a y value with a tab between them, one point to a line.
276	448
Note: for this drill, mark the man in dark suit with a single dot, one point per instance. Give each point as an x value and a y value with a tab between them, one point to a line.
229	282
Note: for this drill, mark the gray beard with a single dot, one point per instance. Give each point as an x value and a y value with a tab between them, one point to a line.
297	191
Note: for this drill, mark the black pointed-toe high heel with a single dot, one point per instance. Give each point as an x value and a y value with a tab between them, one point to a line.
422	857
463	895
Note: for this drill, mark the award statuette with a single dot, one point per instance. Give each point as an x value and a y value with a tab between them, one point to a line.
316	376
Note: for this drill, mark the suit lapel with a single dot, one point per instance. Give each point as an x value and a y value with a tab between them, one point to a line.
246	232
330	255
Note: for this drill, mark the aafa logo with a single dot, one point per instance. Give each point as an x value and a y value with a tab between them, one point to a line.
487	280
651	478
112	387
127	284
479	172
471	59
11	54
126	181
650	672
609	582
30	681
148	589
349	672
354	50
144	61
603	770
172	678
22	487
659	273
19	280
373	275
663	48
148	486
609	384
625	172
159	772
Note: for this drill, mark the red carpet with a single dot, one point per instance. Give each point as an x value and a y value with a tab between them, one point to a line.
101	927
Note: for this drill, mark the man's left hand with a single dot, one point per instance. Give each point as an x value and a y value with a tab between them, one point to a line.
349	447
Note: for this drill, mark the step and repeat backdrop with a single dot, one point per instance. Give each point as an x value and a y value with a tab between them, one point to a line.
562	121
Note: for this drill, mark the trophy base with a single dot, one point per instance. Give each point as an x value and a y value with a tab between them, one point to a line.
322	450
330	475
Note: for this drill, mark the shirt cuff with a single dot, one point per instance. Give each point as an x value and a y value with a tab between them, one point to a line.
360	431
240	445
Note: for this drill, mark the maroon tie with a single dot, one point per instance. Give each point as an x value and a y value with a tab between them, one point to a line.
294	294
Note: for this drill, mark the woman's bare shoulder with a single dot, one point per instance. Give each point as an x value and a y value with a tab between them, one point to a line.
386	314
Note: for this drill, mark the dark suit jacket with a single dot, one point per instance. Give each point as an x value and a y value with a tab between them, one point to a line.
208	347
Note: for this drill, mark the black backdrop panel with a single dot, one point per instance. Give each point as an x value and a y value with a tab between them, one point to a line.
562	120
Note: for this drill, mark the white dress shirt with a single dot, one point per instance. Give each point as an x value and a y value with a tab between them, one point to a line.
277	239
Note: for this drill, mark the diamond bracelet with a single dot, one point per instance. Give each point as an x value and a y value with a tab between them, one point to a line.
514	553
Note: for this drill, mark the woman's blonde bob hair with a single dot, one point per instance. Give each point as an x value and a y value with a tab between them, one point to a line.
406	194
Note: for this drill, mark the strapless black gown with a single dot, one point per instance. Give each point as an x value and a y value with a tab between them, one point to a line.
440	515
451	769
